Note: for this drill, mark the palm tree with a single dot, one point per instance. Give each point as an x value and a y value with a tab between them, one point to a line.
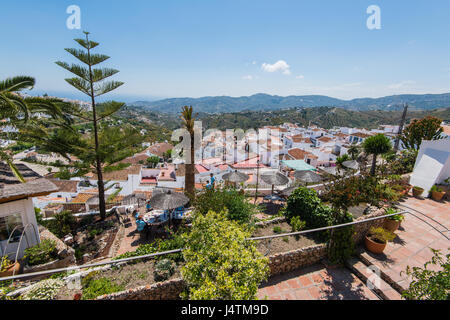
16	112
188	122
375	145
354	151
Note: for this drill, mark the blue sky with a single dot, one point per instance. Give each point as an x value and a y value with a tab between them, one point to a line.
199	48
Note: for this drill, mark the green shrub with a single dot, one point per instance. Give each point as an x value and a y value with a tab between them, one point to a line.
220	263
277	230
297	224
381	235
239	208
62	224
164	269
5	263
93	288
306	205
430	284
341	245
42	253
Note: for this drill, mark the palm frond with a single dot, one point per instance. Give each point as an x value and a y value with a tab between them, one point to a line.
16	84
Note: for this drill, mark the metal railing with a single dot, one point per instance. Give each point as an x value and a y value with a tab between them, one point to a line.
113	262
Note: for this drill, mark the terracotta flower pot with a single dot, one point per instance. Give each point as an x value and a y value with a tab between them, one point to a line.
13	269
437	196
417	192
391	225
374	247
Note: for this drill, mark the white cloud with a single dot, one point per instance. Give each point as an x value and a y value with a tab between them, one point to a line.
247	77
280	65
300	77
401	84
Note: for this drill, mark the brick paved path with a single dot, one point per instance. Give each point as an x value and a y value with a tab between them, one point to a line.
414	240
316	282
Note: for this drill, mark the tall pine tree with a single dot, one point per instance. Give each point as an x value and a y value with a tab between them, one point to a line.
91	81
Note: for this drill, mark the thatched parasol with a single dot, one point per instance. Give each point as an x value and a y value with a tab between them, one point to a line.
168	201
307	176
333	171
351	164
275	179
288	191
235	177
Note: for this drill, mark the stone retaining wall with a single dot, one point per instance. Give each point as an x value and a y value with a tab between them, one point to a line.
167	290
269	222
278	263
361	229
291	260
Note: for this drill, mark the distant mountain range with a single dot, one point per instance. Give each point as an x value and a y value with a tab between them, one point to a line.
266	102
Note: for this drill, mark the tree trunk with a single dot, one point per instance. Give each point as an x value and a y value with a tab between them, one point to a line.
98	162
190	172
374	164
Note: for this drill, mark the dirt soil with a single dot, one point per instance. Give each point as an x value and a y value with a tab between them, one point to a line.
282	244
130	276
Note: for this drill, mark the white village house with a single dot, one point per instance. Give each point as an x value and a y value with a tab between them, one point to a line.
432	164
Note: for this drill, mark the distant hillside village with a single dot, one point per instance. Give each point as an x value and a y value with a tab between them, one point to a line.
286	148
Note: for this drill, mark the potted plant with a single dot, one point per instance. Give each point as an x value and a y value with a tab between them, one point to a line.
392	223
7	267
377	239
417	191
437	193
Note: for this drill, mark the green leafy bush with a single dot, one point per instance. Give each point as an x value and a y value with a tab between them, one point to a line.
277	230
430	284
5	263
381	235
93	288
239	208
42	253
306	205
341	245
164	269
62	224
220	263
297	224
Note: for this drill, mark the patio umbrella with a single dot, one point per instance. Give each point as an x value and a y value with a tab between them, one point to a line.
307	176
235	177
333	171
275	179
288	191
351	164
168	201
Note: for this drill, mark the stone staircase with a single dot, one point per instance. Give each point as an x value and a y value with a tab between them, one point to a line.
373	277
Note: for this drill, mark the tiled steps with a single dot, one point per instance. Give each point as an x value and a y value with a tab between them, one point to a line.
375	283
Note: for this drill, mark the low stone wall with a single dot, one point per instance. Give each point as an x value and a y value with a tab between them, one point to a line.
66	254
278	263
361	229
292	260
167	290
269	222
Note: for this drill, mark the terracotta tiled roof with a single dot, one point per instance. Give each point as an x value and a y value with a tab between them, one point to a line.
82	197
360	135
65	185
325	139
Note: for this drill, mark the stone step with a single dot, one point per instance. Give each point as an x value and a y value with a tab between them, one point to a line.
368	261
371	277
